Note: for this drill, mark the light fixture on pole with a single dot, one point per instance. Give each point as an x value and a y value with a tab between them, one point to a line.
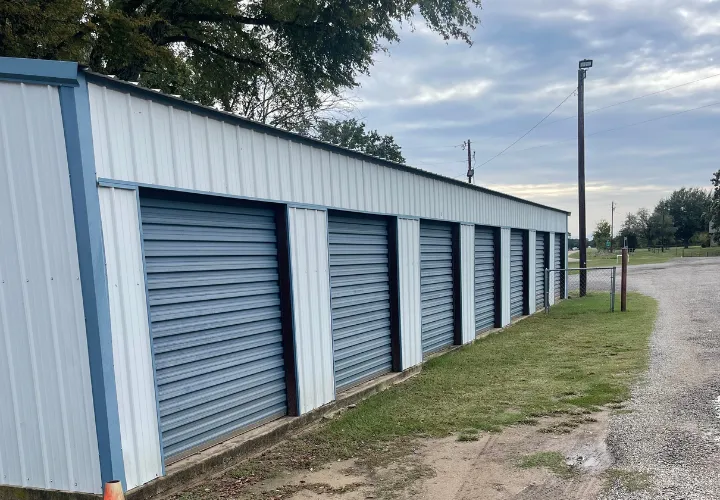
585	64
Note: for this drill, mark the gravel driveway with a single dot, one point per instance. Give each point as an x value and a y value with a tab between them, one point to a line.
673	430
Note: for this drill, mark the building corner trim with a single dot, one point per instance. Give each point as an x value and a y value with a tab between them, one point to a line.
75	109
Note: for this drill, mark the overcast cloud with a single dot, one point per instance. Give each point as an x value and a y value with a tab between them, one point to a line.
432	96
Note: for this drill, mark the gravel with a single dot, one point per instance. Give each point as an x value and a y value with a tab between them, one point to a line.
672	432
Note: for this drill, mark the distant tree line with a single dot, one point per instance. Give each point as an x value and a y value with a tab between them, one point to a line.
681	219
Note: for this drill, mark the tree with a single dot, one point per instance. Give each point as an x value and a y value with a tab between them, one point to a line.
602	233
631	229
212	51
351	134
689	209
714	213
661	227
644	230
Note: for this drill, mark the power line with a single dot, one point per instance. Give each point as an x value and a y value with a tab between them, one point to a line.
531	129
635	98
620	127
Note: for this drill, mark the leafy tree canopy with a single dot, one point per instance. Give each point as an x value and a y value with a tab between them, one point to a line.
714	215
351	134
689	208
213	51
602	233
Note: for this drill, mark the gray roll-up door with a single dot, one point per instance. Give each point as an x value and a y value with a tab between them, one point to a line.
517	281
559	263
213	292
436	286
540	266
360	298
484	278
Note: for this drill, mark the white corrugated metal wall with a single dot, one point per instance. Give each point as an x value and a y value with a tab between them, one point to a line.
467	281
47	422
142	141
131	336
564	238
551	280
531	272
311	307
408	233
505	275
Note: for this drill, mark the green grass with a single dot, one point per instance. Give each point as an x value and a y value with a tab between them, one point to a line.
551	460
573	360
643	256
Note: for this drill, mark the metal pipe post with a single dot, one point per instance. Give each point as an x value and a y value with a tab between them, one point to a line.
623	284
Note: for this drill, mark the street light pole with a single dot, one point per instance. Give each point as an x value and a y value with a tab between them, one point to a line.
584	65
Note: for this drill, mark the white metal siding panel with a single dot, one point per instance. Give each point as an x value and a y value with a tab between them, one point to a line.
409	289
467	281
505	275
311	307
130	336
566	275
141	141
551	265
531	257
47	422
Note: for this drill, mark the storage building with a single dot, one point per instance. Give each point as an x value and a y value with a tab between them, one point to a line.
172	275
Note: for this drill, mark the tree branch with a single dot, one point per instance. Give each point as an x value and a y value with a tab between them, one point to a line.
215	50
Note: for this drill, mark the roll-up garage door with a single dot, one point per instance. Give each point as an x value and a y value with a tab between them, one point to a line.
212	278
436	286
484	278
559	263
540	269
360	293
517	281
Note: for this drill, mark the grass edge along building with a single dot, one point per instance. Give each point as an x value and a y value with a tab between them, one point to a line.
172	275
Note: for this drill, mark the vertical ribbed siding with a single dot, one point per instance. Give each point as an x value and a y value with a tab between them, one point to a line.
517	264
540	265
410	309
484	278
467	286
360	298
213	291
47	421
138	140
559	263
311	307
437	286
132	353
530	293
505	275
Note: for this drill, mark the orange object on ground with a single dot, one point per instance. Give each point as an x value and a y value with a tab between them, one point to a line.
113	491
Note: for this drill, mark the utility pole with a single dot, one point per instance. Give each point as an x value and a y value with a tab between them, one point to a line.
612	225
471	171
662	234
583	67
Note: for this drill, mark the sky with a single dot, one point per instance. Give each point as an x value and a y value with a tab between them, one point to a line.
432	95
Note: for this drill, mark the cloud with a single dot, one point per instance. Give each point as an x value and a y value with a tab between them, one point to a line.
433	96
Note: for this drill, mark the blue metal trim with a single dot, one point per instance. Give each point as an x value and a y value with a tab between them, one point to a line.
105	182
109	183
38	71
152	345
75	109
399	302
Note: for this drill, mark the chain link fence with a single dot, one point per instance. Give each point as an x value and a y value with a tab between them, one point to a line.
577	283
